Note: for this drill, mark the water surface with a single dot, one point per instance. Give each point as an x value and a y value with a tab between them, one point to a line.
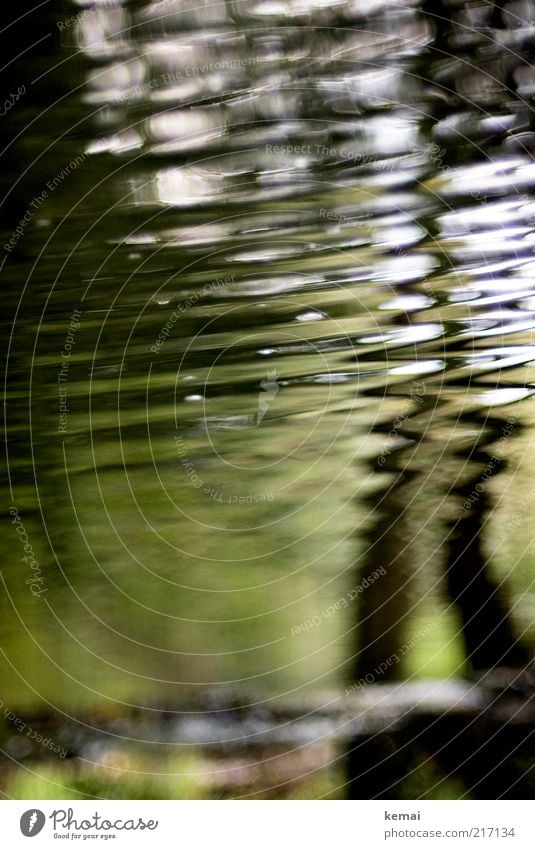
270	311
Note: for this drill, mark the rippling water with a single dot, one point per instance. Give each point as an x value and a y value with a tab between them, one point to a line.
271	305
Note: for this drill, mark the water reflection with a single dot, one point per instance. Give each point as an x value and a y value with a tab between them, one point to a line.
299	248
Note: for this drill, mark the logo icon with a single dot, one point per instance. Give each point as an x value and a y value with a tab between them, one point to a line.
31	822
270	387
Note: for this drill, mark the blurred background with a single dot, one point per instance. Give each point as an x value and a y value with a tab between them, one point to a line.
269	298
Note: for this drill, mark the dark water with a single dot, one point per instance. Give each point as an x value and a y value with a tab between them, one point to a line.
270	311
